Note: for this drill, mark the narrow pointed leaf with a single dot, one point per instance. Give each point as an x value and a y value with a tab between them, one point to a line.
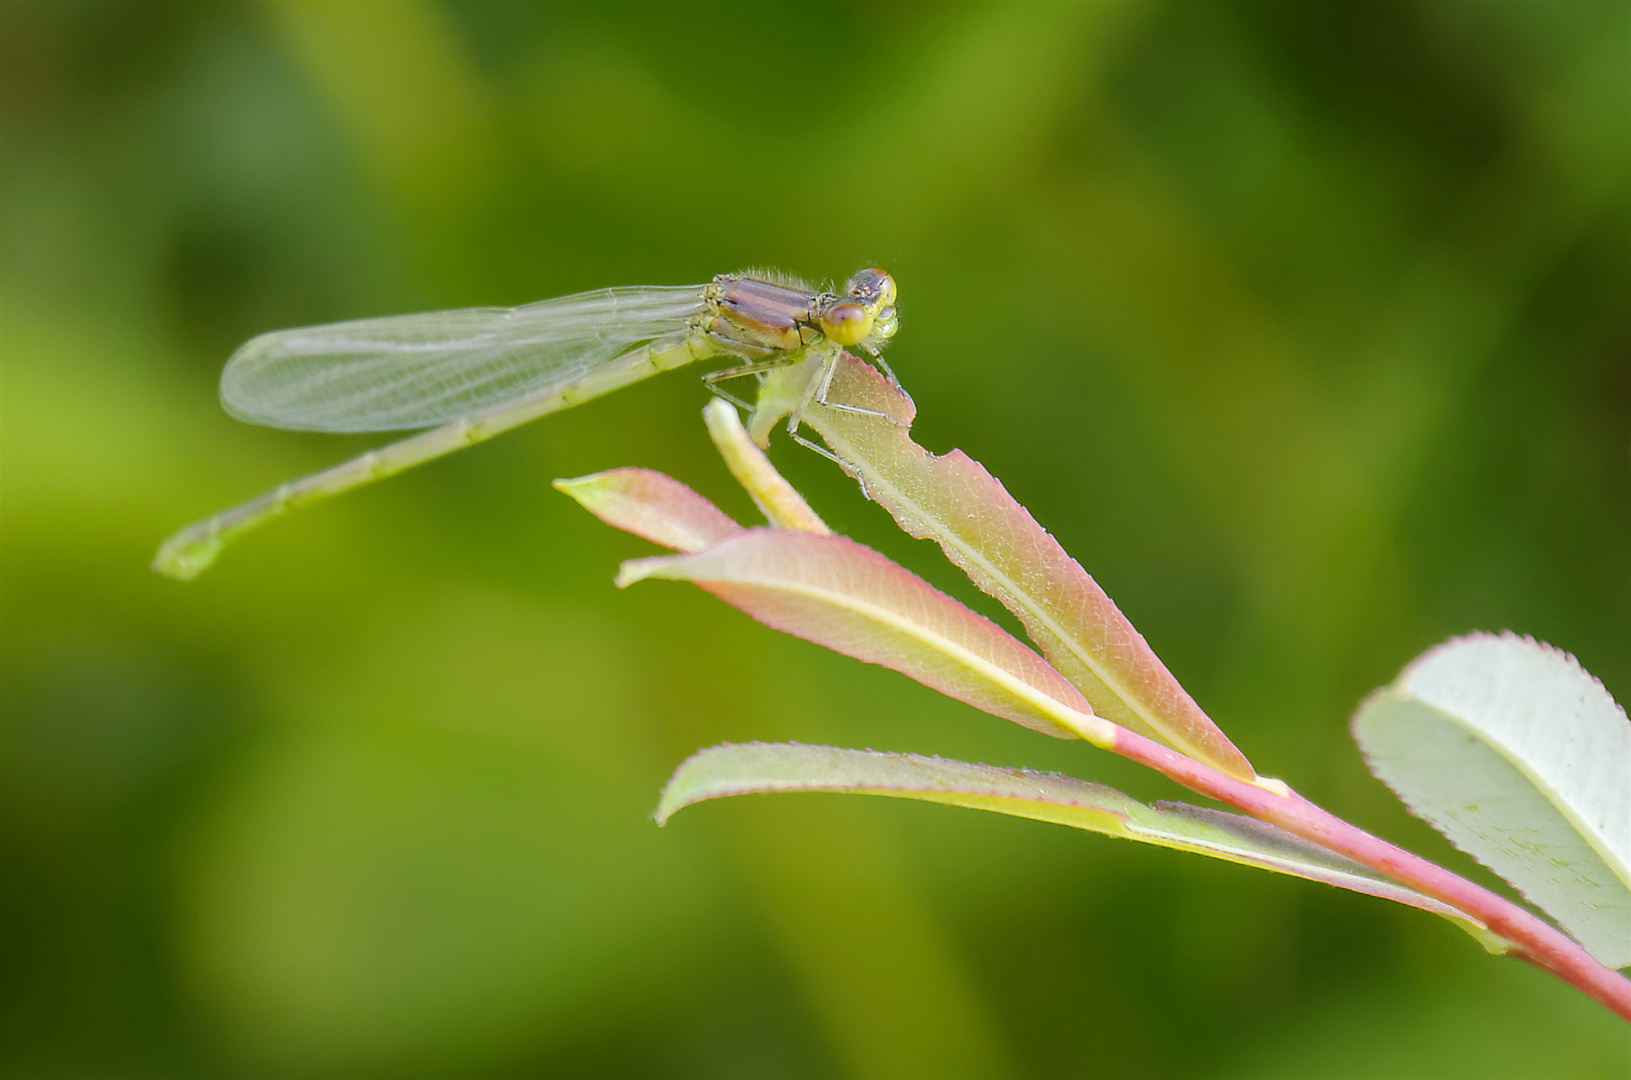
651	505
779	500
837	593
766	767
1513	751
954	501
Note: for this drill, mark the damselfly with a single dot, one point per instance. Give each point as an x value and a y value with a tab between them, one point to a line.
472	373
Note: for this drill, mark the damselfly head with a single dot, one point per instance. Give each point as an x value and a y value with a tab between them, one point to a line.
866	316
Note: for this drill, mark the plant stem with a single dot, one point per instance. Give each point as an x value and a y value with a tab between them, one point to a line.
1535	940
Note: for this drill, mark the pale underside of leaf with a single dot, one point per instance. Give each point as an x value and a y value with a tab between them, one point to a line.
837	593
779	767
984	531
1521	759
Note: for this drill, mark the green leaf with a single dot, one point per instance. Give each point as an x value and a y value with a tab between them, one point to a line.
847	597
953	500
1513	751
766	767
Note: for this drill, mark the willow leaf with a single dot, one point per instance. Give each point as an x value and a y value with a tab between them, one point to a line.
954	501
773	767
847	597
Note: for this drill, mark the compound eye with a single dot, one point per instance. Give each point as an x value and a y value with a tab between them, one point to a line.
886	289
847	324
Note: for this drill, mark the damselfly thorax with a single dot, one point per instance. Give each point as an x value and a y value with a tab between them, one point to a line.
756	316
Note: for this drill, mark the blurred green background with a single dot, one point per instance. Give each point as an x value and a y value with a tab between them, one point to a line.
1303	326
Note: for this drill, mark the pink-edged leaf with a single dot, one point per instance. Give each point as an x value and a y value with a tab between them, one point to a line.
837	593
954	501
769	767
652	505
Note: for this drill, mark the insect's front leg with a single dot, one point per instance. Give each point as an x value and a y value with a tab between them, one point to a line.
825	384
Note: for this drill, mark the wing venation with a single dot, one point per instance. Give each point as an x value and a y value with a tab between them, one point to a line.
412	371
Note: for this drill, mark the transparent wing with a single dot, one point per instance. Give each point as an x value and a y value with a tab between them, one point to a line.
411	371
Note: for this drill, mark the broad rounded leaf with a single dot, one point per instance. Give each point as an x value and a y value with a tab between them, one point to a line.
1516	754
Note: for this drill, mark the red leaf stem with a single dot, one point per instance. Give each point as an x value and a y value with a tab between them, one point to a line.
1539	943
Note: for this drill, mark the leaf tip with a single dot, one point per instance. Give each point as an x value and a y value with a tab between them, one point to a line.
651	505
636	570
